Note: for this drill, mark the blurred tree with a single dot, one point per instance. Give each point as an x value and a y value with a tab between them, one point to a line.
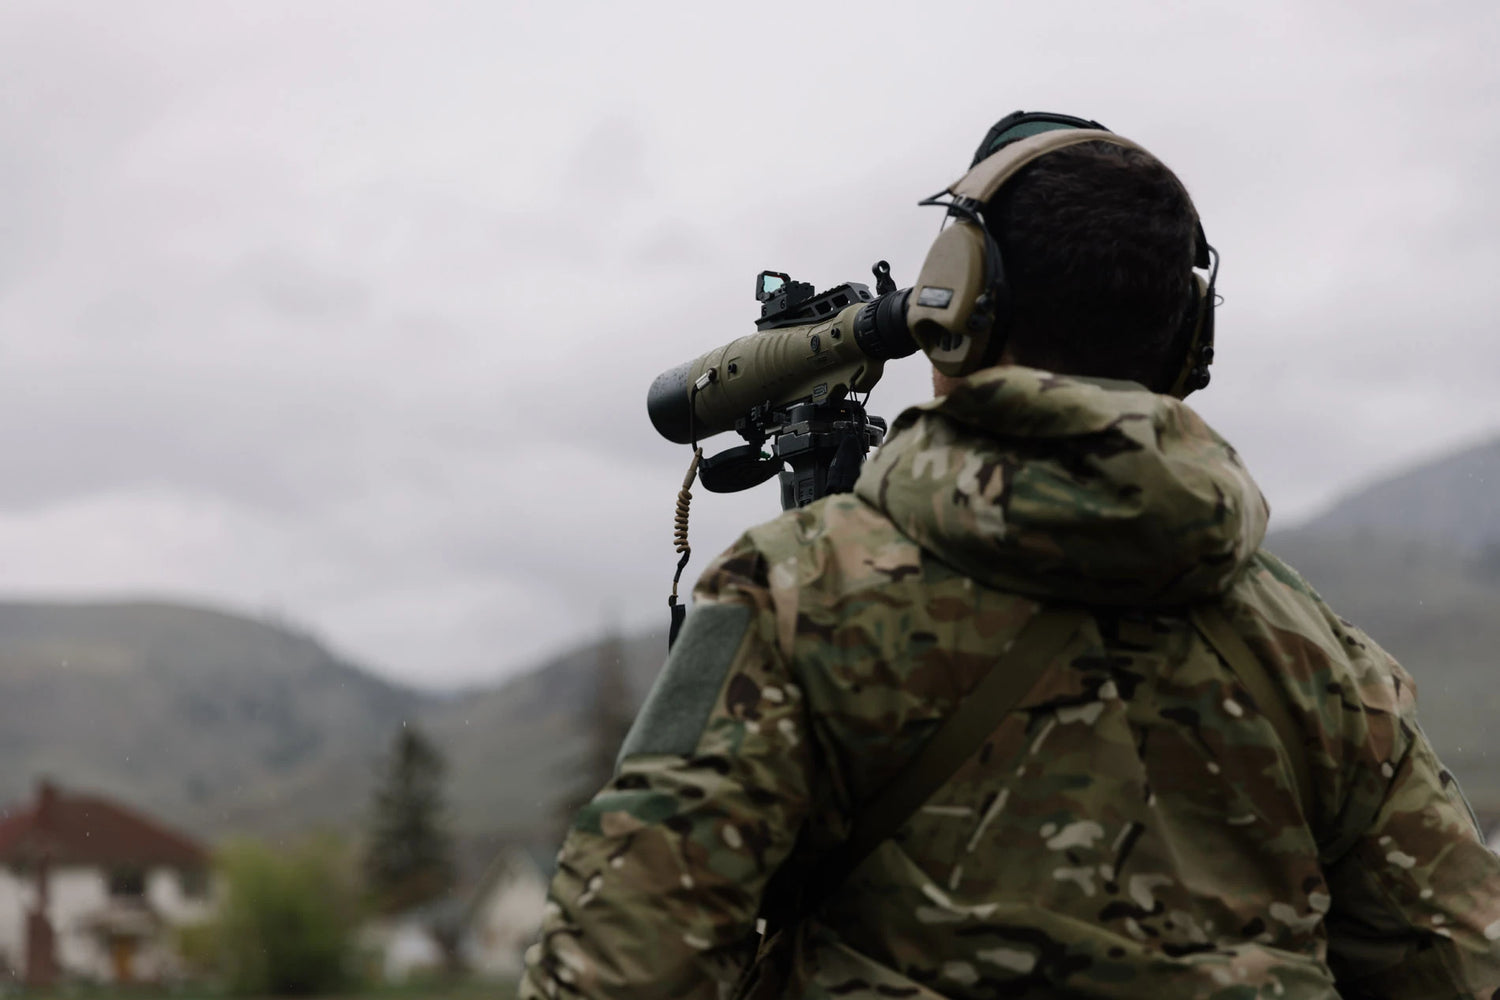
409	859
286	926
607	718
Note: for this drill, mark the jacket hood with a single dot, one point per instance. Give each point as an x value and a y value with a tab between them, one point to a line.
1070	489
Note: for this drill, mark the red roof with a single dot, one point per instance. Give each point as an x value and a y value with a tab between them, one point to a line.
71	829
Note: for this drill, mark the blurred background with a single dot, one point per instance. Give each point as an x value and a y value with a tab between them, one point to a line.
334	540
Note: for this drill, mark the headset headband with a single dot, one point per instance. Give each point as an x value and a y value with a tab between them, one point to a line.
987	177
961	299
1023	125
1021	129
1020	124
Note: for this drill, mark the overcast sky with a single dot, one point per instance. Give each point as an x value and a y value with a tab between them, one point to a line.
347	311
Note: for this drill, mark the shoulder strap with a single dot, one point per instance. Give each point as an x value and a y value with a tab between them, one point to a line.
957	739
1269	696
996	695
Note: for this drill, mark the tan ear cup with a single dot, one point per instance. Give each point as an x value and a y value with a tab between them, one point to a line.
950	314
941	313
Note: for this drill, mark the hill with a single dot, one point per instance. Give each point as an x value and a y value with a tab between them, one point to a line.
514	751
214	721
1414	560
222	723
1447	502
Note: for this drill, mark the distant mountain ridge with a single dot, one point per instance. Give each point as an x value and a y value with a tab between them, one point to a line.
514	749
1414	560
1453	500
210	719
224	724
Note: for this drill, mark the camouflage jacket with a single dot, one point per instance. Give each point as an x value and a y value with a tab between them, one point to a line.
1131	830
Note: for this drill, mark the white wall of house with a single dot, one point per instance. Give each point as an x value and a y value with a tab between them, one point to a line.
73	894
405	947
76	895
167	890
505	921
12	922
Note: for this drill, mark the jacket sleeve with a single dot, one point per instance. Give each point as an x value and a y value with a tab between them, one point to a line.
660	878
1416	899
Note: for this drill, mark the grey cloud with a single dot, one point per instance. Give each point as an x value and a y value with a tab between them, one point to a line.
352	309
610	165
299	291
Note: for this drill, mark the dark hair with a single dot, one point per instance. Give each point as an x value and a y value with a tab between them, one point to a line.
1098	244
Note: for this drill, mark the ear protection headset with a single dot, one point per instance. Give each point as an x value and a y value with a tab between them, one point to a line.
959	311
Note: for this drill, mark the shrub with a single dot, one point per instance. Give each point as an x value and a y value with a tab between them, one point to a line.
286	927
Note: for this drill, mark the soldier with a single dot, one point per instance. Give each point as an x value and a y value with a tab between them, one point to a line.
1207	785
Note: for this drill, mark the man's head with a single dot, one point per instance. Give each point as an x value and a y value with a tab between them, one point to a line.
1098	243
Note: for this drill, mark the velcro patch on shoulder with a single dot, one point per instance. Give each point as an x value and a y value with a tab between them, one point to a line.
684	694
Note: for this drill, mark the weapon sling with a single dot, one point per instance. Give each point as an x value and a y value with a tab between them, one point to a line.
964	732
996	695
956	740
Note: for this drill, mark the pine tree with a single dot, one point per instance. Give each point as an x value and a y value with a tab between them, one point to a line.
410	855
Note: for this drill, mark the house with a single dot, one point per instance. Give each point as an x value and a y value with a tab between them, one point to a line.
505	913
483	929
419	941
91	890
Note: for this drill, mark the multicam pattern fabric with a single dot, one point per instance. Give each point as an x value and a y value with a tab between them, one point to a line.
1131	830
